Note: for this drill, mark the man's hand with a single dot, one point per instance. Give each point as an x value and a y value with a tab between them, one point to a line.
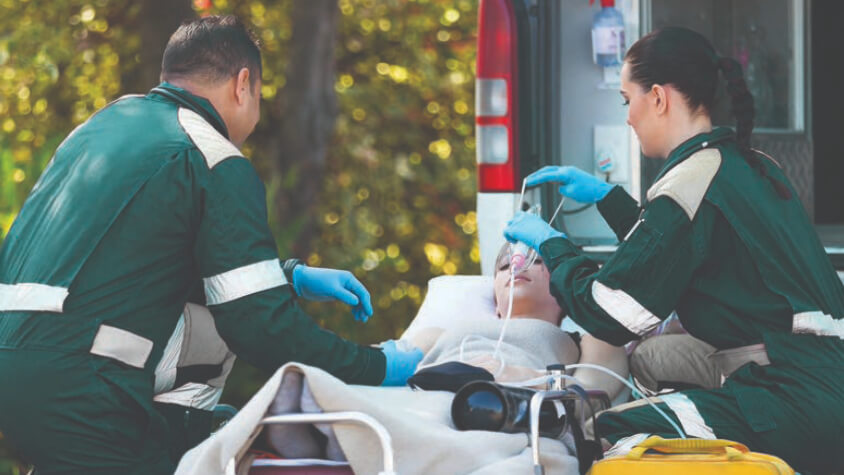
315	283
401	362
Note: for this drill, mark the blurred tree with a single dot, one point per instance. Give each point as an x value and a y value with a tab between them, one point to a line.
308	108
393	197
156	21
399	192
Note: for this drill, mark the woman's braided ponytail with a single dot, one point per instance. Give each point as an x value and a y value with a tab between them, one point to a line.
743	110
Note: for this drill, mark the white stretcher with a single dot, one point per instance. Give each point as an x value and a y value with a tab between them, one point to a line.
468	296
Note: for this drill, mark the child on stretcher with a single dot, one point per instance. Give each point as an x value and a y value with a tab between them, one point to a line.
532	340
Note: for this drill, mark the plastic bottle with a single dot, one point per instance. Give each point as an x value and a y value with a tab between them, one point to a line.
608	35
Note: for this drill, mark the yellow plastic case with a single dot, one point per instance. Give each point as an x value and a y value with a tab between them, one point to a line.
691	457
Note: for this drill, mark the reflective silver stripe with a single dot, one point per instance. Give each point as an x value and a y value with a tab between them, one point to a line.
624	309
625	445
213	146
817	323
243	281
165	372
688	182
200	396
31	297
121	345
690	418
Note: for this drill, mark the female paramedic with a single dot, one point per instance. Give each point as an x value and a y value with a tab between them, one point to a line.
721	239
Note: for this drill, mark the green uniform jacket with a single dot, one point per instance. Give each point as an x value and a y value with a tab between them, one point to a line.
738	264
144	205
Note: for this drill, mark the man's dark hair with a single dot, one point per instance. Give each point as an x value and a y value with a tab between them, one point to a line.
211	49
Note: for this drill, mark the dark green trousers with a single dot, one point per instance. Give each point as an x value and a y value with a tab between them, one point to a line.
64	413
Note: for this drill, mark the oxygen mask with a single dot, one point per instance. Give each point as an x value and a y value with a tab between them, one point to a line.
523	256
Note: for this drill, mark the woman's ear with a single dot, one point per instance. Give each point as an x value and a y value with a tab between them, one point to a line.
660	98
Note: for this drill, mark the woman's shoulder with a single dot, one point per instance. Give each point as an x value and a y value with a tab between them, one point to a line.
688	182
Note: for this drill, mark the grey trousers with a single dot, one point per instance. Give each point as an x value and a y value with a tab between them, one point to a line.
674	362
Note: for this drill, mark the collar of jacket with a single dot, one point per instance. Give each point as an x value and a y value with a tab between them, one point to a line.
200	105
694	145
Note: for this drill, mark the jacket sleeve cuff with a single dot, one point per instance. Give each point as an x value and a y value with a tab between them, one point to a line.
288	265
556	250
620	211
375	369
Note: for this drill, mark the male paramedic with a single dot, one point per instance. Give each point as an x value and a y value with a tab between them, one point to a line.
147	205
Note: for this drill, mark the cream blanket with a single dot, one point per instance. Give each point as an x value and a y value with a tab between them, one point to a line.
419	422
528	343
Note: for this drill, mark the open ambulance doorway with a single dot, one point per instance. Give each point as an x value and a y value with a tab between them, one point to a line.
827	70
541	100
789	51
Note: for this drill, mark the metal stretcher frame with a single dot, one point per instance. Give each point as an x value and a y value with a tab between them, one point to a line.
598	397
333	417
386	441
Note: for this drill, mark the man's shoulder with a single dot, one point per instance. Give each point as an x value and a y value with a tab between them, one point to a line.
171	126
213	146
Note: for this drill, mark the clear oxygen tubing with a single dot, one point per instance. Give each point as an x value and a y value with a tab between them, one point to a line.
632	387
557	211
496	354
528	254
500	357
461	357
547	378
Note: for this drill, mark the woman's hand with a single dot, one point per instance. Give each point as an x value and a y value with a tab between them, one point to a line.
529	229
577	184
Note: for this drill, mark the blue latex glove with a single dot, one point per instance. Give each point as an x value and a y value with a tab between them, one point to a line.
401	363
529	229
316	283
577	184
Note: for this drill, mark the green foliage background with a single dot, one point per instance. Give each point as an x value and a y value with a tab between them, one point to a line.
398	198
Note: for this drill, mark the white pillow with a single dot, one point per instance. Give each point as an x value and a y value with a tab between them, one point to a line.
462	298
454	298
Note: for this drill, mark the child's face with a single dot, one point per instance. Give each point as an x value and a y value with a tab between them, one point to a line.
531	289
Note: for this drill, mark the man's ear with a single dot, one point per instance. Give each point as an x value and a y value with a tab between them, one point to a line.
243	86
660	98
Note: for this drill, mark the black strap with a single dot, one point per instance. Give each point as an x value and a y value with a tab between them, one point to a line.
288	265
199	373
588	451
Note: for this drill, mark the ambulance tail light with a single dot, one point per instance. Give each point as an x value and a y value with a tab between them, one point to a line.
495	109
